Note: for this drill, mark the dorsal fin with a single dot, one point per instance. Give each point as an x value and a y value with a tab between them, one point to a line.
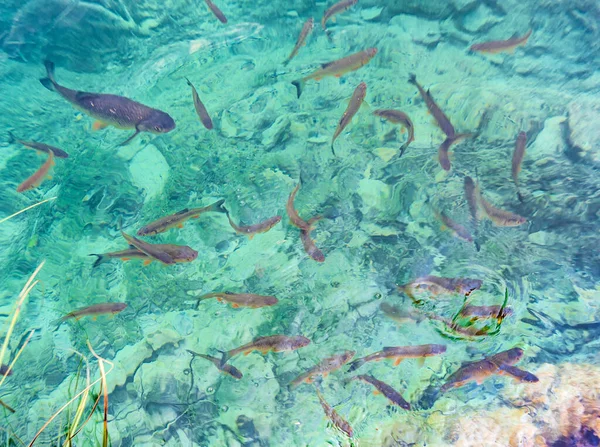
183	211
326	64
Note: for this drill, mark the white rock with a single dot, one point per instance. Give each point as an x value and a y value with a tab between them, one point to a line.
550	141
150	171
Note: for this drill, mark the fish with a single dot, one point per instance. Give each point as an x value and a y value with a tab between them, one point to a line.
5	370
242	299
337	68
355	102
177	220
434	109
38	176
200	109
152	250
224	368
216	11
295	218
500	218
114	110
398	117
334	417
518	155
309	245
42	147
485	312
394	396
251	230
508	357
498	46
339	7
324	367
517	374
399	353
400	315
468	331
307	28
459	230
271	343
95	310
437	285
471	198
179	253
443	155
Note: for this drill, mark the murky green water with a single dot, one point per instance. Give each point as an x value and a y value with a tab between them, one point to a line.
379	226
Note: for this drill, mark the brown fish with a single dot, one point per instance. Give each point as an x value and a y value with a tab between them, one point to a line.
242	299
517	374
471	197
398	117
508	357
333	416
179	253
38	176
95	310
42	147
518	155
271	343
224	368
459	230
498	46
437	285
399	353
306	30
468	331
216	11
437	113
152	250
339	7
485	312
324	367
118	111
295	218
400	315
309	245
443	154
338	68
355	102
394	396
251	230
200	109
177	220
500	218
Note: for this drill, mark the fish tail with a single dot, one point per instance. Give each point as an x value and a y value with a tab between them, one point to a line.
355	365
218	207
188	81
48	81
299	84
412	79
403	148
11	138
224	357
332	149
100	259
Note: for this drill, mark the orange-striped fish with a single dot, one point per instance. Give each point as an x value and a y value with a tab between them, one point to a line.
224	368
200	109
95	310
338	421
355	102
398	117
338	68
443	150
251	230
179	253
157	251
518	155
437	285
394	396
177	220
309	246
498	46
485	312
339	7
500	218
216	11
399	353
271	343
306	30
38	176
324	367
242	299
440	117
459	230
295	218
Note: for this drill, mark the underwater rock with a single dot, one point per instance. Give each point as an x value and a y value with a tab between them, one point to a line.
163	381
375	196
149	171
127	362
550	141
464	5
584	132
425	32
277	133
479	20
429	9
542	238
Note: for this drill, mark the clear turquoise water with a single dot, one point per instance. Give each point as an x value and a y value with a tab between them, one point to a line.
379	227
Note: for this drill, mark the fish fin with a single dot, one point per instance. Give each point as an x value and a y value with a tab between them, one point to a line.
247	352
100	259
235	305
325	65
125	259
333	150
325	374
299	84
147	261
196	216
95	318
219	299
376	392
49	177
412	79
183	211
179	225
318	78
99	125
250	236
11	138
309	380
339	75
130	138
398	361
48	81
218	207
421	361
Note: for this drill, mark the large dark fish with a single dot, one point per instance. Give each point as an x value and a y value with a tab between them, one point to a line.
42	147
434	109
114	110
